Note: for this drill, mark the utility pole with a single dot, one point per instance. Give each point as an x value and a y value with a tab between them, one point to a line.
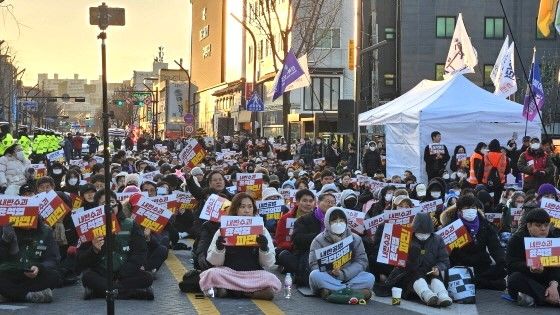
103	16
358	71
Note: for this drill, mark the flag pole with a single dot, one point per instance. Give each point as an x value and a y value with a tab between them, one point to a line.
524	75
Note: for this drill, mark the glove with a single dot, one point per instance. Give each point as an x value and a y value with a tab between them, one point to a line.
8	233
220	243
263	243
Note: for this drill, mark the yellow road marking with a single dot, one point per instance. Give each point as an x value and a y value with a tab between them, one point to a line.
202	306
268	307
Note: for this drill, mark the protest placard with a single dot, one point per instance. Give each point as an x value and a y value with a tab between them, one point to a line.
241	230
290	223
76	201
51	207
319	161
372	224
494	218
56	156
455	235
553	208
355	220
461	157
192	154
516	214
250	183
214	207
270	209
437	148
395	243
40	170
430	206
149	176
121	197
91	223
149	214
288	194
335	256
21	212
185	201
542	252
169	202
401	216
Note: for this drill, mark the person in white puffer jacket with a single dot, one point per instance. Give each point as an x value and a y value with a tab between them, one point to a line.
12	169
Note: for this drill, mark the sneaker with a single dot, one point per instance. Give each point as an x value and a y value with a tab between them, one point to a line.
43	296
525	300
88	293
429	297
183	235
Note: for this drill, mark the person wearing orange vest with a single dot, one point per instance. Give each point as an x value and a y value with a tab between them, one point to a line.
536	166
495	159
476	164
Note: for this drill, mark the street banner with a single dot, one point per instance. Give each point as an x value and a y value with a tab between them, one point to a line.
335	256
462	57
401	216
214	207
270	209
185	201
494	218
149	214
121	197
355	220
56	156
241	230
91	223
21	212
372	224
192	154
40	170
250	183
395	243
553	208
51	207
455	235
542	252
168	202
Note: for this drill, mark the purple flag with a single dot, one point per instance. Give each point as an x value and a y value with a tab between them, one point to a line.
291	71
529	107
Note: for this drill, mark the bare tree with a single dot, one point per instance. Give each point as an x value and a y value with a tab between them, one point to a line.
550	68
123	115
305	24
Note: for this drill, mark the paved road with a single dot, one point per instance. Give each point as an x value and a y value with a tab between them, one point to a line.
169	300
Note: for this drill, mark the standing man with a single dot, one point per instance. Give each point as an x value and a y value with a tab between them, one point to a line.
93	144
436	156
77	142
536	166
68	145
371	162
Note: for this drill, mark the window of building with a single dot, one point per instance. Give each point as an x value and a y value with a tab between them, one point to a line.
327	38
440	71
494	28
260	50
251	52
206	51
204	32
487	71
266	48
389	79
389	33
322	94
203	15
539	35
445	25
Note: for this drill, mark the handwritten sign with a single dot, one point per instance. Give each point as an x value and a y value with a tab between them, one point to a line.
401	216
214	207
455	235
335	256
91	223
21	212
149	214
270	209
395	243
192	154
241	230
543	252
355	220
56	156
250	183
51	207
553	208
372	224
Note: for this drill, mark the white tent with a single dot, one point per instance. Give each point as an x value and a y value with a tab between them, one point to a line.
464	113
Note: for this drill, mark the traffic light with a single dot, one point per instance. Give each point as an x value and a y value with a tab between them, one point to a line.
119	103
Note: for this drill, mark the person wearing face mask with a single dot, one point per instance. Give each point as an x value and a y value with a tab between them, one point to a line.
536	166
318	148
476	164
536	285
270	193
384	203
371	162
57	171
306	152
239	270
349	199
352	275
427	263
484	248
516	201
13	166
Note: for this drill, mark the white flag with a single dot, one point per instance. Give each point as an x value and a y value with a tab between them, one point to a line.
503	50
302	81
462	57
506	83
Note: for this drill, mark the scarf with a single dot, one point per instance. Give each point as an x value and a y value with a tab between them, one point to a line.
319	215
472	227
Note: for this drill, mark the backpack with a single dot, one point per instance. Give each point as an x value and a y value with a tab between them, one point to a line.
460	285
190	283
494	177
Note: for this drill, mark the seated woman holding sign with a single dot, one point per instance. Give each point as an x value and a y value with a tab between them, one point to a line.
331	275
536	283
129	259
239	270
484	246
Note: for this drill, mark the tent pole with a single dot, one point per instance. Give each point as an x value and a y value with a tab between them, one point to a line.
358	149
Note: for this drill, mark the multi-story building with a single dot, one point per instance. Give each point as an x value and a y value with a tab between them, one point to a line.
146	81
172	89
8	89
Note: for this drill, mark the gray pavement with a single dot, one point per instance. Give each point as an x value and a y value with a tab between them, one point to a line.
169	300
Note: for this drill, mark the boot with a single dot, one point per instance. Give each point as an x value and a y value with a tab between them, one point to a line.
439	289
43	296
264	294
421	288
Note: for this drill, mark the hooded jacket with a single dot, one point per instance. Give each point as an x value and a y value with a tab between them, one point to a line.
12	170
359	260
